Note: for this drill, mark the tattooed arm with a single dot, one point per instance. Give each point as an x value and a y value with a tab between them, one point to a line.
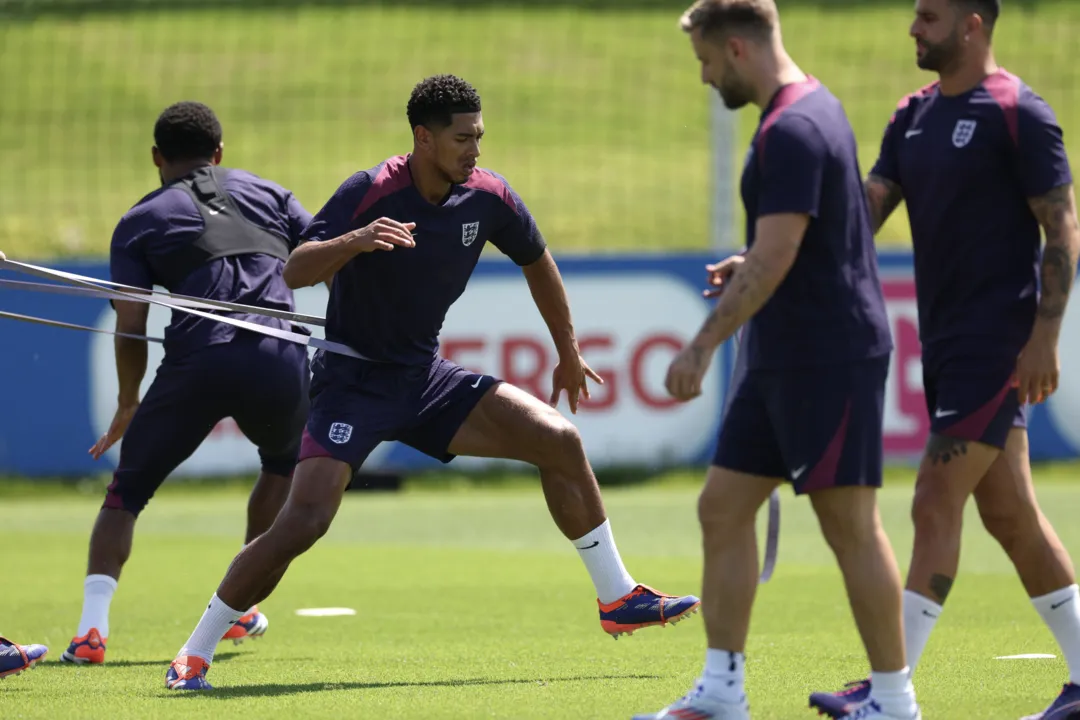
763	269
1038	367
1056	212
884	197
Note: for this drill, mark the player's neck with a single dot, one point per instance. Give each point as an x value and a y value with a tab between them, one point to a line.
968	75
428	182
780	71
175	171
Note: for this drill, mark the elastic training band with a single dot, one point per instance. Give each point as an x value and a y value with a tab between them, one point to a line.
91	284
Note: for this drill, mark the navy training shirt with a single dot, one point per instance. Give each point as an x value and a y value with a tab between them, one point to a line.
168	217
967	165
390	305
830	307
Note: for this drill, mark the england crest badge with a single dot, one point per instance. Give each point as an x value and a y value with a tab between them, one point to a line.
963	132
469	231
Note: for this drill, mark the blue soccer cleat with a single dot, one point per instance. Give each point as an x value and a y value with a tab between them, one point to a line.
644	607
15	658
188	672
841	704
1065	707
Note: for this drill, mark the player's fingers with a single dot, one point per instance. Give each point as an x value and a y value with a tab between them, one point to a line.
391	222
716	292
592	374
382	245
554	399
572	394
396	236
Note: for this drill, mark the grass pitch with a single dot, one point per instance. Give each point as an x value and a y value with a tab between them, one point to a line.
471	605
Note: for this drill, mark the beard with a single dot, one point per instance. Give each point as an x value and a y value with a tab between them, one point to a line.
938	57
735	93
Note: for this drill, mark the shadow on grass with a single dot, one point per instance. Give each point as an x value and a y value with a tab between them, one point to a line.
163	664
275	689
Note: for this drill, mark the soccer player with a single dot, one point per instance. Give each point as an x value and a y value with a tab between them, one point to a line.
400	241
222	235
807	404
979	159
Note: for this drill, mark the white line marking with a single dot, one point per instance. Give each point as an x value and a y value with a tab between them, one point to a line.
1027	656
325	612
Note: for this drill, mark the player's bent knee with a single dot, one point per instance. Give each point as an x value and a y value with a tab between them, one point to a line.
558	439
301	525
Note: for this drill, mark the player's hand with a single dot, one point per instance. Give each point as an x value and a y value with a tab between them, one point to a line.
1038	367
383	234
572	375
686	372
116	430
720	273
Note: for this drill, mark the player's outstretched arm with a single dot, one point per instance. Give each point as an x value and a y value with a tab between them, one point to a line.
884	197
316	262
549	294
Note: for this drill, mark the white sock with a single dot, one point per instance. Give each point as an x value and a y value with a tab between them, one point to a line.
601	558
894	692
215	622
920	615
724	677
97	596
1060	611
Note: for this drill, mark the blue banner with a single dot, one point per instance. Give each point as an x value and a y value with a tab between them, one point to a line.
631	314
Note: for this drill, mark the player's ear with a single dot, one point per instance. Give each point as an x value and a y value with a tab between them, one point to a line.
159	159
216	157
973	24
422	137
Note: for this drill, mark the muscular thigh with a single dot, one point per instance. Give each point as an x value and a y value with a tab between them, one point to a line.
1007	490
507	423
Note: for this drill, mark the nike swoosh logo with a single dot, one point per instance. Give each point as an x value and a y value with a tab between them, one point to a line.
912	133
1055	606
477	383
796	473
929	614
939	413
589	547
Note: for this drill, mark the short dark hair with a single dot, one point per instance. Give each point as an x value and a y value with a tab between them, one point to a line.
714	18
187	131
988	10
436	99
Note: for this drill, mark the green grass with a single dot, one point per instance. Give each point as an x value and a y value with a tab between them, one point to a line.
470	604
596	117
